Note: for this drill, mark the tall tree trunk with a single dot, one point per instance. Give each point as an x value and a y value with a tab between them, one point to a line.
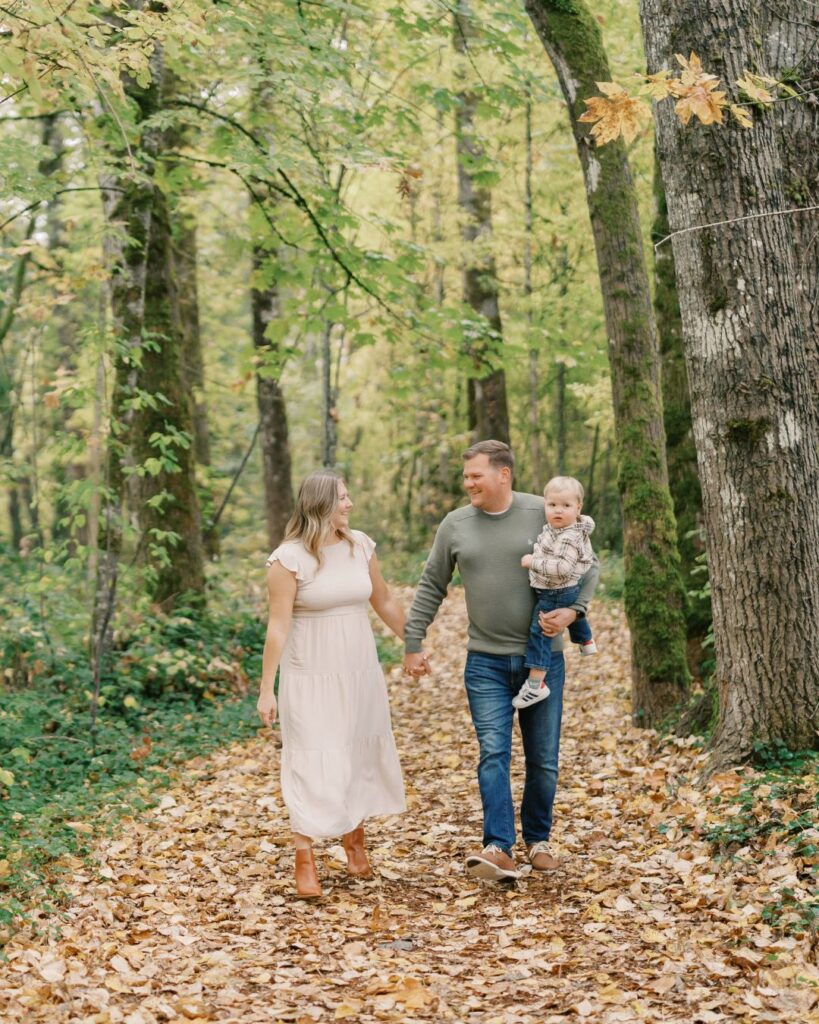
155	431
754	419
185	258
169	503
480	281
273	433
329	413
560	417
681	452
535	417
654	596
8	388
790	34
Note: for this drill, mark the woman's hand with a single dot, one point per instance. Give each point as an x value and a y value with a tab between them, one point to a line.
267	708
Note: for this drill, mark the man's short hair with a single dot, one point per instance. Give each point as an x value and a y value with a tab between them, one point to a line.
499	454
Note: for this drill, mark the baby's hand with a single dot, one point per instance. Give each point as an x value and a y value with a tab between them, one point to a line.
526	561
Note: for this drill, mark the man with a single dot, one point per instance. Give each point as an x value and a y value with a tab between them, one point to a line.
486	540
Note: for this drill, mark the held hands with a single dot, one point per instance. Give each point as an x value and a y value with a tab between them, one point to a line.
416	665
266	706
556	621
526	561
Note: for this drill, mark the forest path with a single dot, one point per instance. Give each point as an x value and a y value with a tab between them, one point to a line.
192	917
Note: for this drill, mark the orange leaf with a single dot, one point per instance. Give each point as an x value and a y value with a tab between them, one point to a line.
614	114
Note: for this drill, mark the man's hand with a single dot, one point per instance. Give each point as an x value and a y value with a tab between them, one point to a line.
556	621
416	665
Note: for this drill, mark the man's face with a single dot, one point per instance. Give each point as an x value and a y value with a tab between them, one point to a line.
488	486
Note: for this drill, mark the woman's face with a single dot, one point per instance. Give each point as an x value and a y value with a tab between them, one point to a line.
341	513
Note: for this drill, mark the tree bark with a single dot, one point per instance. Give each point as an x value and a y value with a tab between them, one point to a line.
754	420
681	452
528	290
273	433
151	411
185	258
480	281
169	503
790	31
560	417
654	597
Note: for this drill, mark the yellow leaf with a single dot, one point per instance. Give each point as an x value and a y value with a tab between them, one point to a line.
6	777
5	869
752	86
130	702
349	1008
742	115
80	826
700	101
697	93
615	114
657	86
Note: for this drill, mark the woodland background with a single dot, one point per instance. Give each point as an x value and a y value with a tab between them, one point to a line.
243	240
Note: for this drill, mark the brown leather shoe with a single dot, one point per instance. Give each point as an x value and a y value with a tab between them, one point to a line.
491	864
540	858
307	883
357	863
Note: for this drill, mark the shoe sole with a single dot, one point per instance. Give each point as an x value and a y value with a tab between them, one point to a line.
489	872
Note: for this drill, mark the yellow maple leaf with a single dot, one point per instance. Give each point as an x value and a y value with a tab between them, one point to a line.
754	88
657	86
613	114
701	103
742	115
693	72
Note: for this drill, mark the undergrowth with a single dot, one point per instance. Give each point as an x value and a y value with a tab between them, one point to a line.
72	763
777	807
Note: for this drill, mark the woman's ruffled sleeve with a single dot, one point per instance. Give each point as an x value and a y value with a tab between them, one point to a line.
367	543
289	555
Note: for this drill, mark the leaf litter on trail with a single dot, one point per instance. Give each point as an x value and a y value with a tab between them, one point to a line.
188	913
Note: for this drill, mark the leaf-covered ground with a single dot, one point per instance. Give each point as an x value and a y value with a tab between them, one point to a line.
190	913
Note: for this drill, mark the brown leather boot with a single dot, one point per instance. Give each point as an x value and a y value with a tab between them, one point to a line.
307	883
357	863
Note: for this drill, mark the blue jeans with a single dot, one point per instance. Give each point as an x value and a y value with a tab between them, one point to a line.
539	647
492	680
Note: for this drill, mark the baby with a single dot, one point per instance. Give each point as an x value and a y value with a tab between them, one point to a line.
561	556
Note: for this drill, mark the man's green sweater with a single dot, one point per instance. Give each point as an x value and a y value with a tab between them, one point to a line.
487	550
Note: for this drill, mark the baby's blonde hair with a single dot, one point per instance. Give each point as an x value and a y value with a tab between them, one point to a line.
565	483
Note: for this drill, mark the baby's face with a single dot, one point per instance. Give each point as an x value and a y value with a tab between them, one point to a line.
562	508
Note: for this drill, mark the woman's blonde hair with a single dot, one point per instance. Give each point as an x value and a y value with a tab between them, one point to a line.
315	505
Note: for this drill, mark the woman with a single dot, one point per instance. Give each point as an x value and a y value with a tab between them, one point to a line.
339	762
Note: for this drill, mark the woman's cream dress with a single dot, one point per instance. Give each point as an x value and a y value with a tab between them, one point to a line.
339	762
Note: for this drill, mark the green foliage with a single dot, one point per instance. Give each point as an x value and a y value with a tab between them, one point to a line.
777	808
177	686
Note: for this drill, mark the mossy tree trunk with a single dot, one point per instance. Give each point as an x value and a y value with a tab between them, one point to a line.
273	430
152	424
185	259
163	429
654	596
487	406
754	419
681	452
